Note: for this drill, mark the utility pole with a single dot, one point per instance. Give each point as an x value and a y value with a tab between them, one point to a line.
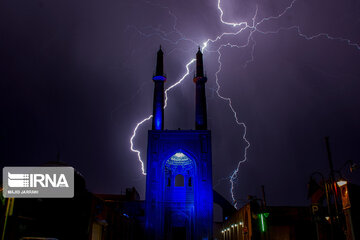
332	177
263	195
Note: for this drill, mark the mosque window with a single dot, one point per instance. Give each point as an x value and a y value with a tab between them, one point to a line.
179	180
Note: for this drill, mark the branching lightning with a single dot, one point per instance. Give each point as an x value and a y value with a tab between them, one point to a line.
132	142
149	117
239	27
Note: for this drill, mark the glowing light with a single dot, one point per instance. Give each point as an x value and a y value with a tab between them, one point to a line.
161	78
341	183
179	155
262	225
262	217
158	123
204	45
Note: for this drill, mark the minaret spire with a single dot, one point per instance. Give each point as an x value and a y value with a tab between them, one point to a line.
200	98
158	104
199	64
160	63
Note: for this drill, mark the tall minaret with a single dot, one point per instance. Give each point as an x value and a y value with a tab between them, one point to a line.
200	99
158	105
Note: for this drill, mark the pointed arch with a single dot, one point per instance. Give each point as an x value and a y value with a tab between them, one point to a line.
171	153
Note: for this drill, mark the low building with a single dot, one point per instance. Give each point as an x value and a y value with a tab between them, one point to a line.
252	222
86	216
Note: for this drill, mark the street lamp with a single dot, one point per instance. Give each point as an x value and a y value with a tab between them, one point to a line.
341	182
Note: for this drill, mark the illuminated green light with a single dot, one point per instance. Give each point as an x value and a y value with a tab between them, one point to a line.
262	217
262	223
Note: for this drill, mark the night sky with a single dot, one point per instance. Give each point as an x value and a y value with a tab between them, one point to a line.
76	77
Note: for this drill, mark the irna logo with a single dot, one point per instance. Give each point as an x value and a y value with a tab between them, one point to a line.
37	180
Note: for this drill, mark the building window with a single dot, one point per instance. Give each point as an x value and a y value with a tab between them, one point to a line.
169	182
190	183
179	180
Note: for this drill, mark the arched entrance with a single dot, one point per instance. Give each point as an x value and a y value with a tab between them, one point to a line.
179	173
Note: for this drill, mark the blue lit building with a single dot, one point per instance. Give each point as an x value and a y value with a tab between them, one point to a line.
179	197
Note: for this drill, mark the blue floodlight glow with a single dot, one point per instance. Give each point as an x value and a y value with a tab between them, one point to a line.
158	122
179	184
161	78
158	117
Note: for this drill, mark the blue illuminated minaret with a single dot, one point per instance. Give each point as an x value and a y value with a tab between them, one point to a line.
179	194
158	105
200	99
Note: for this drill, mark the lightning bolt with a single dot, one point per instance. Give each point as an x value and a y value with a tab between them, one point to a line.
149	117
234	174
239	27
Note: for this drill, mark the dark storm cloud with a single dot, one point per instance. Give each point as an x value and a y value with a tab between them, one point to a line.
76	78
